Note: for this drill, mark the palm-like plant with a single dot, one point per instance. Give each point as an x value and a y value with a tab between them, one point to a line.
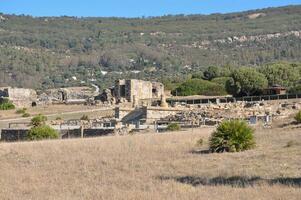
232	136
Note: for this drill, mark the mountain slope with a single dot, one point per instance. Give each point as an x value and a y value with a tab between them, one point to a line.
63	51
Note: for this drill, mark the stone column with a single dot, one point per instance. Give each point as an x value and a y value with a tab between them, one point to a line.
163	102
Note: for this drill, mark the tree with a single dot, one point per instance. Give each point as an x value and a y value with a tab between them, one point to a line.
283	74
38	120
42	132
247	81
215	72
199	87
232	136
212	72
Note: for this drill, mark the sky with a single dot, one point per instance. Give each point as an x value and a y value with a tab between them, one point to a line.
133	8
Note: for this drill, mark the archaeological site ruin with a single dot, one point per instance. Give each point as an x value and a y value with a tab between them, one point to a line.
135	105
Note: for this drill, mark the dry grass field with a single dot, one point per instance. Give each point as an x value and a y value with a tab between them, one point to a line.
152	166
65	112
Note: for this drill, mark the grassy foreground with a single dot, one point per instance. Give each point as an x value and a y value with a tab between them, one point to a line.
166	166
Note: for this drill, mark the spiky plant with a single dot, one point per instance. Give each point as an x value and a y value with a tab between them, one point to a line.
232	136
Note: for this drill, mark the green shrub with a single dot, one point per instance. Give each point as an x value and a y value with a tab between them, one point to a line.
42	132
21	111
26	115
173	127
298	117
232	136
58	118
38	120
5	104
199	87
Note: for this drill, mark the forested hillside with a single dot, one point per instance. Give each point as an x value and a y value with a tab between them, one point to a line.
64	51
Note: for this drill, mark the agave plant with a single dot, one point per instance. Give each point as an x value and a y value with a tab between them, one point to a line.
232	136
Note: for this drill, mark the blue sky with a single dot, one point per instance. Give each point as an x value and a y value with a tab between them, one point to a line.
133	8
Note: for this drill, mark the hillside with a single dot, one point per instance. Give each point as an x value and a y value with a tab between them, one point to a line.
65	51
152	166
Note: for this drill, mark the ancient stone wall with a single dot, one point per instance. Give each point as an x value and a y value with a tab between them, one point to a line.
76	95
157	90
20	97
153	114
139	90
134	90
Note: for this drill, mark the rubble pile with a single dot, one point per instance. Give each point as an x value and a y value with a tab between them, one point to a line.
239	110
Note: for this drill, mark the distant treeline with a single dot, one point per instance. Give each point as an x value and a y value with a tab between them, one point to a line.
51	52
242	81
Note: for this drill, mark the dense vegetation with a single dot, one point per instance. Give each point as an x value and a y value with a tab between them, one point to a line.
232	136
199	87
40	130
241	81
65	51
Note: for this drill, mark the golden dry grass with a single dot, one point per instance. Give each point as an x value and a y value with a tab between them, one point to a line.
65	112
151	166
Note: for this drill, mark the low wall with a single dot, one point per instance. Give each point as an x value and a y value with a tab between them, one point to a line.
12	135
122	112
155	113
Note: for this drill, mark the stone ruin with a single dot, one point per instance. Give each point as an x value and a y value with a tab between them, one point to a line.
131	91
126	92
70	95
239	110
20	97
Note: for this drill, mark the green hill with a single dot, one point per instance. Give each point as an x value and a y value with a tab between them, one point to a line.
65	51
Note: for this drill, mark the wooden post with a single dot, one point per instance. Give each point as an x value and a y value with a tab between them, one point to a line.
81	130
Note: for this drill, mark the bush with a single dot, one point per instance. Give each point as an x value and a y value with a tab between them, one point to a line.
173	127
58	118
38	120
232	136
298	117
26	115
42	132
5	104
21	111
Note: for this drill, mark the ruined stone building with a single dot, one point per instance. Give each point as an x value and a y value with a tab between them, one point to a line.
134	90
77	95
20	97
